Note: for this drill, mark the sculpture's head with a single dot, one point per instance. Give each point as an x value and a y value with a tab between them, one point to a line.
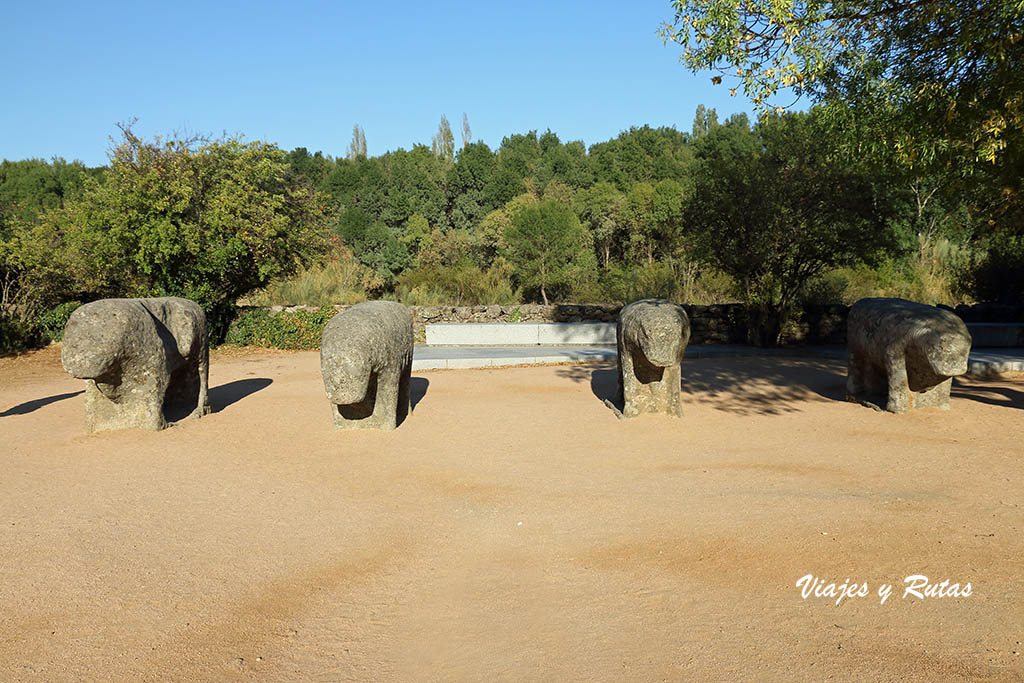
663	335
345	379
92	347
947	352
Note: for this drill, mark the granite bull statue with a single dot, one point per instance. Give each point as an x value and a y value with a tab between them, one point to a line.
140	358
366	362
651	335
906	352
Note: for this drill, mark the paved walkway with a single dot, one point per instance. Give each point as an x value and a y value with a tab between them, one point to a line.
982	361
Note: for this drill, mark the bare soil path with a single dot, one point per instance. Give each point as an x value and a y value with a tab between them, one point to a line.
510	529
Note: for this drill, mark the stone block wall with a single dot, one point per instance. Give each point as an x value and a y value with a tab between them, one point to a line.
716	324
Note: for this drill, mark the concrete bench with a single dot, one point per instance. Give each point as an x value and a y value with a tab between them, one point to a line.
519	334
996	335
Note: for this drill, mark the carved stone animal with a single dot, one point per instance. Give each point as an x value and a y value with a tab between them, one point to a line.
141	359
366	362
905	351
652	335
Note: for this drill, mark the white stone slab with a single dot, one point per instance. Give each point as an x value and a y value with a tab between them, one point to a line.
519	334
576	333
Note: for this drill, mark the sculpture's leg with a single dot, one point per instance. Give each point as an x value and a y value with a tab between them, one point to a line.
630	384
404	397
385	410
101	413
671	385
203	404
151	414
896	370
942	394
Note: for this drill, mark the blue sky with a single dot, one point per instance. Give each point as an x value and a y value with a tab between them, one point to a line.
303	73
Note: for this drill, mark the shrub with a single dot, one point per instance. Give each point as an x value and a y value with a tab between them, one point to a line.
210	221
464	284
52	323
339	281
688	282
14	335
930	275
298	330
18	333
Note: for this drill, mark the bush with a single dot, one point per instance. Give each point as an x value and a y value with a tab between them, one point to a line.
297	330
464	284
14	335
341	281
52	323
931	275
207	221
17	334
689	283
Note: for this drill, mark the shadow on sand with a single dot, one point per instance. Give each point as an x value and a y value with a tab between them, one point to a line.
417	390
220	397
992	395
232	392
37	403
743	385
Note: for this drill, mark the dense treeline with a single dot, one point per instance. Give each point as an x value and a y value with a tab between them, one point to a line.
771	214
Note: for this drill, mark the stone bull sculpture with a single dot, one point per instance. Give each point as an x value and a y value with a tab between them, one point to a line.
366	362
905	351
652	335
139	357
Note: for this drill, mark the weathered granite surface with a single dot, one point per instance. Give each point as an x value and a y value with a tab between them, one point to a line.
142	360
904	351
652	335
366	362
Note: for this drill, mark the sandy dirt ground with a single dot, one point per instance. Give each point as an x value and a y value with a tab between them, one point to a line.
511	529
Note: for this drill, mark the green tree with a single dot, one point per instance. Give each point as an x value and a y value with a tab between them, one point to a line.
313	168
416	236
359	183
638	216
641	155
704	121
467	134
600	209
668	202
519	154
210	221
781	213
373	243
443	144
29	188
413	183
935	83
473	170
545	244
357	147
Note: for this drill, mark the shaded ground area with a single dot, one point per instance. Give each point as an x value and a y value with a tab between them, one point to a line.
743	385
511	529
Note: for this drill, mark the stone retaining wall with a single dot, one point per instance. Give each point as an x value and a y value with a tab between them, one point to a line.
716	324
